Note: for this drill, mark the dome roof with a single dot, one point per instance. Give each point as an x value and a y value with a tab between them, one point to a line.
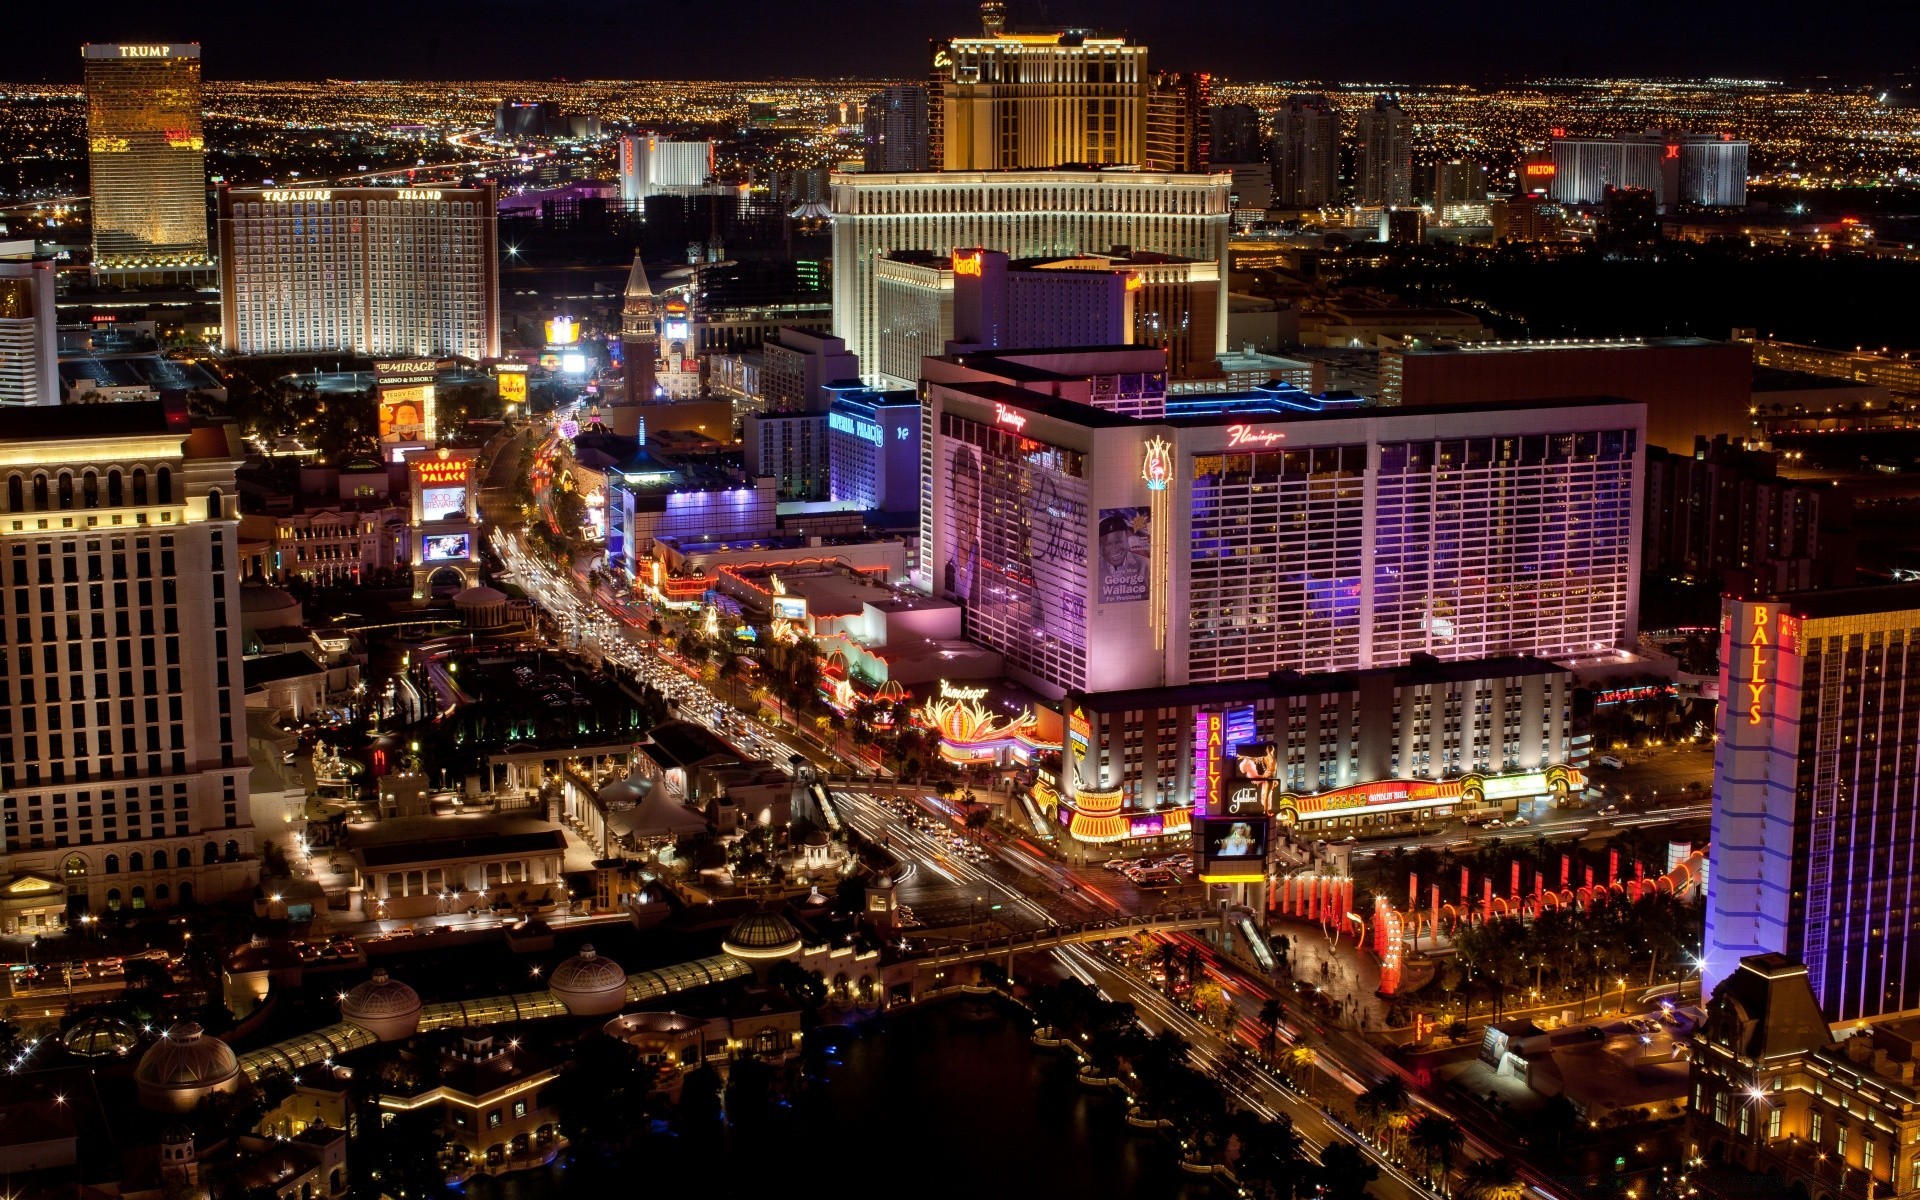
762	934
264	597
383	1006
588	984
183	1067
479	595
99	1036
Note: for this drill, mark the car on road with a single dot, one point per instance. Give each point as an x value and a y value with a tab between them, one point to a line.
1496	823
1517	821
1611	810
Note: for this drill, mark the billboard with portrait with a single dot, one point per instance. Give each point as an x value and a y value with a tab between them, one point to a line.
403	412
443	503
1234	849
445	547
1125	534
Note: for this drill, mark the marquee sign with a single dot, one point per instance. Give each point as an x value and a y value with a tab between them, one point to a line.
1757	646
296	195
443	471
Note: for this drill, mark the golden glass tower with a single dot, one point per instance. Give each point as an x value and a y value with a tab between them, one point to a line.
146	157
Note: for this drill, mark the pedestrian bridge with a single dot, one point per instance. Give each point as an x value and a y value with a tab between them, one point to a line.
1051	936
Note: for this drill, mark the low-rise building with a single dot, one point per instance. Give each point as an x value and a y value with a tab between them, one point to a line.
419	866
1774	1092
493	1098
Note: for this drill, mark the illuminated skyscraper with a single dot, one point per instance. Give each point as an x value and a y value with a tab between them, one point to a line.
1306	153
123	762
654	166
1384	165
1023	213
382	271
28	363
1267	530
1814	838
1036	100
146	158
1179	128
1677	167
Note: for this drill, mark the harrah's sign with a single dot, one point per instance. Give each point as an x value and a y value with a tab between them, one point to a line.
1253	436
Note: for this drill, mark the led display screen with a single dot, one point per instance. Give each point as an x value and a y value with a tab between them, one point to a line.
446	547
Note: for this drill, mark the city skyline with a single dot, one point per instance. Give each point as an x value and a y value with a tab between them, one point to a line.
1388	41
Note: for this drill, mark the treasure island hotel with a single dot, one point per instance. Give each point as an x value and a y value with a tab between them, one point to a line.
378	271
146	160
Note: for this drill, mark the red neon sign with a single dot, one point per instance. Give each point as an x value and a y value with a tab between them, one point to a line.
1673	150
1011	418
437	470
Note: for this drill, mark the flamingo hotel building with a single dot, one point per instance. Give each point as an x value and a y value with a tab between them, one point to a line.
1143	560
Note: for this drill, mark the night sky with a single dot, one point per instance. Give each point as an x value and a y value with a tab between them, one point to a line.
1356	40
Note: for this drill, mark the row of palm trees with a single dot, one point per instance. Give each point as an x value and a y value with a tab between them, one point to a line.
1268	1157
1433	1142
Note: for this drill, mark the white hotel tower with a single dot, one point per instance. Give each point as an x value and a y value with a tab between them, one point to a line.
379	271
1026	214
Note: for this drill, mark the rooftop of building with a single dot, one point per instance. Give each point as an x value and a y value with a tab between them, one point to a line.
1276	402
1774	379
1767	1009
1421	670
1543	345
275	668
405	840
1846	602
684	744
60	422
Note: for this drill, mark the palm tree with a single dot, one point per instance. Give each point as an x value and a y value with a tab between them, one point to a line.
1300	1061
1169	957
1270	1014
1438	1140
1492	1179
1344	1172
1271	1160
1384	1107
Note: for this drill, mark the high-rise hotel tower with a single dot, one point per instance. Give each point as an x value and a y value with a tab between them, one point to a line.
146	160
123	741
1816	795
400	271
